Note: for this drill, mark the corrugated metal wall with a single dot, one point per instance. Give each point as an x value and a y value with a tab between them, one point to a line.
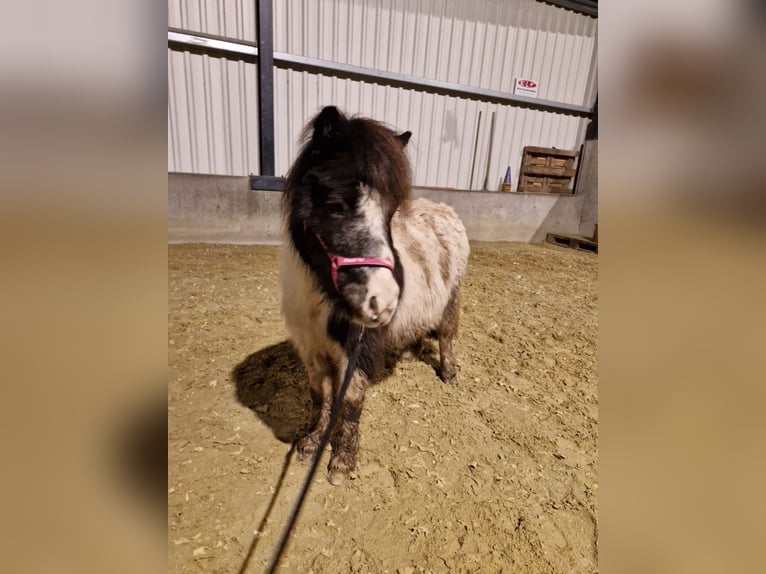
227	18
444	127
213	101
212	115
481	43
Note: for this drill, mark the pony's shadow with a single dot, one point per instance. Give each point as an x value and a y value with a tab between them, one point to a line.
272	383
423	350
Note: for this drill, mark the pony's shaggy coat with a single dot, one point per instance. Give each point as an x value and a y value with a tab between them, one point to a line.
350	186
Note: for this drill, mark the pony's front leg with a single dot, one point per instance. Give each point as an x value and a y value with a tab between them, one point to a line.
345	439
321	376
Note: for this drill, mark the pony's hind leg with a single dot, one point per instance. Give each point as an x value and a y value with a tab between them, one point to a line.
445	332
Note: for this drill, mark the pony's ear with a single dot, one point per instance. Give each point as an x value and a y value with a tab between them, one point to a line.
326	124
404	138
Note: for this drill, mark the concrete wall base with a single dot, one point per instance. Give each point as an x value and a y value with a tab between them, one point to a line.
223	209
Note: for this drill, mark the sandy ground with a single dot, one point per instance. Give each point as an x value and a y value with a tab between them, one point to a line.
497	473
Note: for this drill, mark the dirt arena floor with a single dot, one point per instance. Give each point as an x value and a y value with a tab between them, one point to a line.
497	473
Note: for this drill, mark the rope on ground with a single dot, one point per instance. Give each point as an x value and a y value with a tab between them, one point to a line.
317	456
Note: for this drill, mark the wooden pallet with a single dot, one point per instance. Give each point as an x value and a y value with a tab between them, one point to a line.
573	241
547	170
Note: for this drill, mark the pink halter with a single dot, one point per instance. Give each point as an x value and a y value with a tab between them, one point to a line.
337	261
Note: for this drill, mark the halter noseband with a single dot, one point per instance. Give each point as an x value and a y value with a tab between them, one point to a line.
337	261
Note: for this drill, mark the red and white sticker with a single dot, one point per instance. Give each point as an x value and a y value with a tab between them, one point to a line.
524	87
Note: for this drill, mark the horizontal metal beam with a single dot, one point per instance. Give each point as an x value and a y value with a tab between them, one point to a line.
231	48
284	60
267	182
210	43
587	7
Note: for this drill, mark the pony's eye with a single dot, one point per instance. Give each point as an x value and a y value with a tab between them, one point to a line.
336	207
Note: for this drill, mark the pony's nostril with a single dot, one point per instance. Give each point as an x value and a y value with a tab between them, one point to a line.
374	304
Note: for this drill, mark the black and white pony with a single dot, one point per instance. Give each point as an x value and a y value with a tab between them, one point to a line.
359	253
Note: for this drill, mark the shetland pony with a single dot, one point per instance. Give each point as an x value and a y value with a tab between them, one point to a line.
357	254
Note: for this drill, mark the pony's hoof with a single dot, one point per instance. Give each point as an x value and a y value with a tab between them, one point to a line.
306	449
449	377
340	467
336	477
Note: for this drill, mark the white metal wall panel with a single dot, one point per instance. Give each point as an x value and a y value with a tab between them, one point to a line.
479	43
444	127
213	111
212	115
228	18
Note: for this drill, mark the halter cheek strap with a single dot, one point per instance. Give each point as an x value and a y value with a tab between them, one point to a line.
338	261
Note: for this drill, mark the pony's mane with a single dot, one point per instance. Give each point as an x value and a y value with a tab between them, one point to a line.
360	148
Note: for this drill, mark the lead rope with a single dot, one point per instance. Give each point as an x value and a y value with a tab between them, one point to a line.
317	455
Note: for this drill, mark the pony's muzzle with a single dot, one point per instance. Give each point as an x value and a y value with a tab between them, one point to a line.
381	299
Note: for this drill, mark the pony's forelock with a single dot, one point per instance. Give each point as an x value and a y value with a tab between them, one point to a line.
377	150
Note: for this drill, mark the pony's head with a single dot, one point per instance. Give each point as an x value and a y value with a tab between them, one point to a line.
341	193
